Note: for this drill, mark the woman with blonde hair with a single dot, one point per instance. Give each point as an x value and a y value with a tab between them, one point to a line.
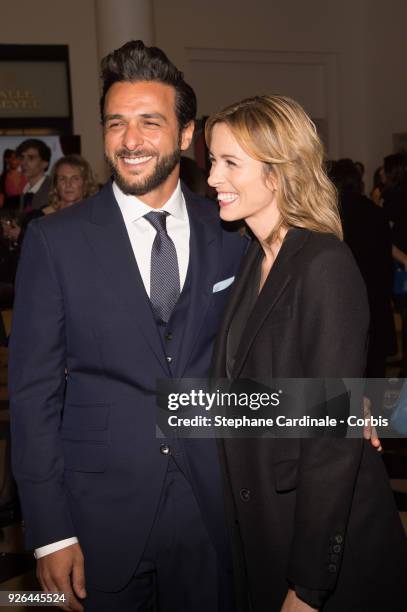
313	521
71	181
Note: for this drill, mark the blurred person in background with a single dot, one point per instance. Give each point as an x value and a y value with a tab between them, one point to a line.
395	208
35	156
71	180
361	169
193	176
12	181
367	233
379	182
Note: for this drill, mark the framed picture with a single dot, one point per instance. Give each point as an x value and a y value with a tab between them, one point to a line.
35	88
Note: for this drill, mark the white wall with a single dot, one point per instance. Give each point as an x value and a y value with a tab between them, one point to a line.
343	60
386	73
364	41
318	31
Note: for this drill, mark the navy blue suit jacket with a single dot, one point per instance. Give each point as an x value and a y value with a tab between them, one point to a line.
85	354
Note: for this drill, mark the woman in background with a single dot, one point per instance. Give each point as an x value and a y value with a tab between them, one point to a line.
12	181
71	181
313	521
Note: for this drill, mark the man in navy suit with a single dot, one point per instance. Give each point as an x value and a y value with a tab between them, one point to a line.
118	518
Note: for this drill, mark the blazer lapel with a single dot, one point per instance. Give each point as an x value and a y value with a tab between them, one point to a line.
204	256
275	285
110	242
218	368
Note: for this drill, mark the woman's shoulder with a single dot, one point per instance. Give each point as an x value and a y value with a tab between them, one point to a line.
323	256
319	244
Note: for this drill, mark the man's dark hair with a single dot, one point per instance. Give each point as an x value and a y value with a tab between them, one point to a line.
395	170
135	62
34	143
346	177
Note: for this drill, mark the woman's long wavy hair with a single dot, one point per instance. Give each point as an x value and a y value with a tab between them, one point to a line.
77	161
276	131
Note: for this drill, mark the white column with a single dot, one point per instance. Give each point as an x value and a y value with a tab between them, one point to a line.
118	21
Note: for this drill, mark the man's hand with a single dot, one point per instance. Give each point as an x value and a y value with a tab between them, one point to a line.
369	432
293	604
63	572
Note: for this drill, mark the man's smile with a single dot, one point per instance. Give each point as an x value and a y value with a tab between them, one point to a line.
136	161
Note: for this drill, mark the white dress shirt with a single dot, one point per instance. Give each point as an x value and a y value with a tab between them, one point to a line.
34	188
141	234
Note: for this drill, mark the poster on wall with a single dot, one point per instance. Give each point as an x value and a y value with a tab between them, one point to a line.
35	91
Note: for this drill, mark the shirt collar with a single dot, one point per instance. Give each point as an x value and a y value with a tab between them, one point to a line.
36	187
133	209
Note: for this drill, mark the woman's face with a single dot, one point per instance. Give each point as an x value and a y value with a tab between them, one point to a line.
69	182
243	192
13	161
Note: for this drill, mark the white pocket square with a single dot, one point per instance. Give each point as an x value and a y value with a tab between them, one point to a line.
224	284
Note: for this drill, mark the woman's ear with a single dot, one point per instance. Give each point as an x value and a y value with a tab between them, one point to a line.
271	180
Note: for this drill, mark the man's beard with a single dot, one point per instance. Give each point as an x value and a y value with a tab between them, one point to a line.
159	175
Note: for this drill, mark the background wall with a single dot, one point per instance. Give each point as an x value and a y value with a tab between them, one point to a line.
70	23
317	32
344	61
361	89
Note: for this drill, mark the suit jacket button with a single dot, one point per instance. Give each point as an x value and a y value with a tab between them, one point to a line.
338	539
165	449
169	359
337	548
168	336
332	568
244	495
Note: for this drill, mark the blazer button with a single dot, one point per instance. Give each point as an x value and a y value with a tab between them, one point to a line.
244	495
332	568
168	336
337	548
165	449
338	539
169	359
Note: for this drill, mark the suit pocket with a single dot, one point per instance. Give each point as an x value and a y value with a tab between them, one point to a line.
85	456
286	475
81	421
85	437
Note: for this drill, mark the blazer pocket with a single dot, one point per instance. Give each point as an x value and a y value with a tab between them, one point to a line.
85	436
79	420
84	456
286	475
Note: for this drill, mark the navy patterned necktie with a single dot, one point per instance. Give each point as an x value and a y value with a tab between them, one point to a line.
164	277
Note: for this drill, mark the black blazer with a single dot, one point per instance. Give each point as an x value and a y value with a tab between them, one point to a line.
315	513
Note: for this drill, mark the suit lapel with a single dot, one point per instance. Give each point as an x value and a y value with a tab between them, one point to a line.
219	360
275	285
204	256
108	238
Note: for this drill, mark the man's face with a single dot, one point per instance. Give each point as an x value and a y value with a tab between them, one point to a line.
32	165
143	142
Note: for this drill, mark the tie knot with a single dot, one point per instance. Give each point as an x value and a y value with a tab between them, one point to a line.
158	220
